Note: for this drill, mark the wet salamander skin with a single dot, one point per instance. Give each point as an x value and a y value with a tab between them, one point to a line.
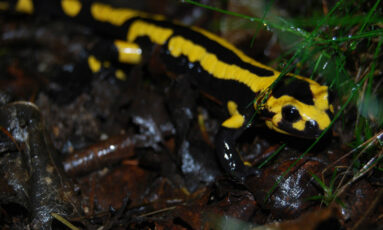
297	105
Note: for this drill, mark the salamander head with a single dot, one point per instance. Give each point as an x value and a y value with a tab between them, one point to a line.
300	107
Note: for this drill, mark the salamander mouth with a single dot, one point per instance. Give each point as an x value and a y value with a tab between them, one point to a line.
311	131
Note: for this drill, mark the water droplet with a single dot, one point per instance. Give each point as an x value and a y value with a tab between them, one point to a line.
325	65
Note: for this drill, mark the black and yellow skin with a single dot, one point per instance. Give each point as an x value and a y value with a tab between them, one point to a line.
296	106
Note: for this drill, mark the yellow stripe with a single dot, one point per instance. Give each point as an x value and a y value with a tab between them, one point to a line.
71	7
157	34
244	57
219	69
231	47
117	16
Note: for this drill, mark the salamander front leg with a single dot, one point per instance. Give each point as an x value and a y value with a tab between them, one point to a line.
228	156
225	141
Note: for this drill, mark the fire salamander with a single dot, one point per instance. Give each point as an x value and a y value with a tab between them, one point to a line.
296	106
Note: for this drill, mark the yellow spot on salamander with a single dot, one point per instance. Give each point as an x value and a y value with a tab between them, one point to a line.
320	96
195	53
232	107
4	5
120	75
247	163
128	52
71	7
157	35
24	6
94	64
299	125
332	108
236	120
106	64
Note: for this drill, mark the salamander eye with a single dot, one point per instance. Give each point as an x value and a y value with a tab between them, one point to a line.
290	114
